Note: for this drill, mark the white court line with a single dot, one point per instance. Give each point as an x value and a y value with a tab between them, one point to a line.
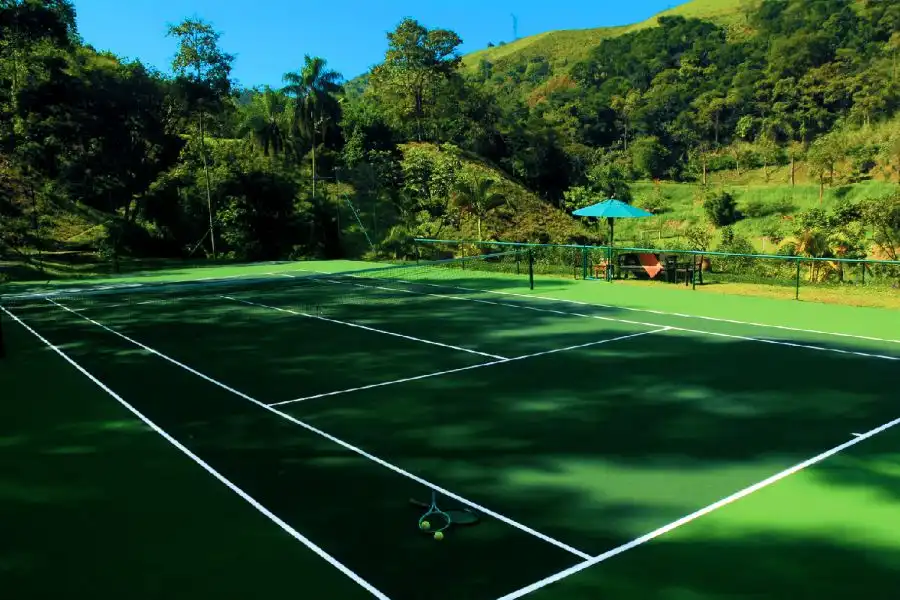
700	513
469	368
373	329
686	316
627	321
647	310
234	488
336	440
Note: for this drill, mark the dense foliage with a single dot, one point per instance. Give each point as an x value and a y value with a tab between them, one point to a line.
179	165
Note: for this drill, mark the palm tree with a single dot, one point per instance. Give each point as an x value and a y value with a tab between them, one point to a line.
813	243
313	90
265	121
477	198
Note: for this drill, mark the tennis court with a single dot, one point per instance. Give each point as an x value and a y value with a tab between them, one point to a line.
275	429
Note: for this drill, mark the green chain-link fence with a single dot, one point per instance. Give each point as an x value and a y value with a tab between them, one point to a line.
786	276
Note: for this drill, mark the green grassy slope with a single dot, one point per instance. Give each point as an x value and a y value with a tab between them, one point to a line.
778	202
563	49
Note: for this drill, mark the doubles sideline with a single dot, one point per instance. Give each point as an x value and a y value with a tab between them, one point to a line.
613	320
700	513
203	464
645	310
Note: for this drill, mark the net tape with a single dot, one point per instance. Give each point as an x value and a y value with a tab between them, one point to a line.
313	290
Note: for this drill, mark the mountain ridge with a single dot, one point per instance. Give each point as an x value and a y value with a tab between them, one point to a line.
566	47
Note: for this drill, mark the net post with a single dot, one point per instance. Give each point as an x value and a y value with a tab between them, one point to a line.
797	282
863	264
531	268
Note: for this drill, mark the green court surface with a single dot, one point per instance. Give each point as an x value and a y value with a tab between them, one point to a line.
611	439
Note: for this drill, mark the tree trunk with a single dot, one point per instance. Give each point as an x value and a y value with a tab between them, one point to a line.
212	231
419	115
313	119
314	165
34	208
793	177
717	130
479	229
703	160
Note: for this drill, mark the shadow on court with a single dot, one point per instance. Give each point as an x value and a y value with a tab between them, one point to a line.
593	447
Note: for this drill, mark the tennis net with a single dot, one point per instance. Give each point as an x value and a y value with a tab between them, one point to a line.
302	289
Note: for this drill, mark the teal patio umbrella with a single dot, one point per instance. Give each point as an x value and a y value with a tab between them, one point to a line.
612	209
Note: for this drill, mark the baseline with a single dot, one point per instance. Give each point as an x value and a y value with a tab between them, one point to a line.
334	439
209	469
470	368
699	513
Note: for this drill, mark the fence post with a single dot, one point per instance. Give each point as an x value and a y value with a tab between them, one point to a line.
609	266
864	272
797	292
584	263
531	268
698	264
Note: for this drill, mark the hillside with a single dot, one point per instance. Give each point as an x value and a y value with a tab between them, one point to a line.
563	49
734	126
435	174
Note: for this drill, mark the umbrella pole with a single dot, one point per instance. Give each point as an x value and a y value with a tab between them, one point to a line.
609	250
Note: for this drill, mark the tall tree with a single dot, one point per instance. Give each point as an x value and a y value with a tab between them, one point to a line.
265	121
314	90
417	62
204	70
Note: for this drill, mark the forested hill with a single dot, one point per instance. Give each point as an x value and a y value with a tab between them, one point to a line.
556	52
102	155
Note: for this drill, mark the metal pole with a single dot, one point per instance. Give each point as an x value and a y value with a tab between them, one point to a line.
531	269
698	264
797	294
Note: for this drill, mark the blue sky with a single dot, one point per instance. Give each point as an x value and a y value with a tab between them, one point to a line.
270	37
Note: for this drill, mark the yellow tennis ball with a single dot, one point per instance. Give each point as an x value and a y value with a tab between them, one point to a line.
438	535
425	525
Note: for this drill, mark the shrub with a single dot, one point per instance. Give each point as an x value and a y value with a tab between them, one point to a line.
773	232
736	244
788	249
721	209
655	202
757	208
698	237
